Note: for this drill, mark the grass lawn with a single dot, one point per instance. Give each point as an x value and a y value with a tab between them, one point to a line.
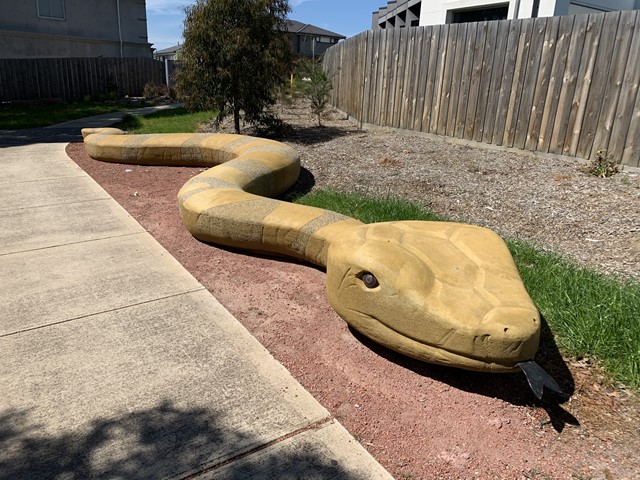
589	314
14	117
165	121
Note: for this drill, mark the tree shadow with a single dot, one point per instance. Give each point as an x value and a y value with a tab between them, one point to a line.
312	135
512	388
161	442
29	136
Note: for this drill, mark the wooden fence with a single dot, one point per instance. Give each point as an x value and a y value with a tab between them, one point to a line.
74	78
564	85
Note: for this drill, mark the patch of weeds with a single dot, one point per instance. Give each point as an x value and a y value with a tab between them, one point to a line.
603	165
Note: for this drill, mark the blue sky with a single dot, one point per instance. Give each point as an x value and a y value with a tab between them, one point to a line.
347	17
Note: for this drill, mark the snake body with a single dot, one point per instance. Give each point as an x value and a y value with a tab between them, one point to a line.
441	292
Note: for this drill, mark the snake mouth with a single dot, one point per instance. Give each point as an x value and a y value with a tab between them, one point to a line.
396	340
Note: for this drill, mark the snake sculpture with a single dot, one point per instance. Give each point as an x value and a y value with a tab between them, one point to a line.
441	292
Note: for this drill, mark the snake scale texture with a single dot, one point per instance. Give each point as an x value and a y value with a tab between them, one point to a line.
441	292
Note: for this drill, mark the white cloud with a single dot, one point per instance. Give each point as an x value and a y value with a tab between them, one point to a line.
295	3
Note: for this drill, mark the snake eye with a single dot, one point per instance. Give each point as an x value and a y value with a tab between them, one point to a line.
369	280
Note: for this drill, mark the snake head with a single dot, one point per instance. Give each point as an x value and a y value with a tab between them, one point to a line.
444	293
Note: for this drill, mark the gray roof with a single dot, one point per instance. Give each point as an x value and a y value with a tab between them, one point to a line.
293	26
174	49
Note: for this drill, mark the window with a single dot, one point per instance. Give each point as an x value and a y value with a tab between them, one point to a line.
479	14
51	9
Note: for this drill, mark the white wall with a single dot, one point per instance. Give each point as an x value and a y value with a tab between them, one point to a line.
434	12
609	4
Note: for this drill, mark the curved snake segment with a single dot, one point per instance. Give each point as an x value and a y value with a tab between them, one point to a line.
440	292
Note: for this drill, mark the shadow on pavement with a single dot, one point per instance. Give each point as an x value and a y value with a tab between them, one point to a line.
161	442
30	136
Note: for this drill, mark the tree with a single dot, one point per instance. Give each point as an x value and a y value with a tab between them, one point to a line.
316	86
235	53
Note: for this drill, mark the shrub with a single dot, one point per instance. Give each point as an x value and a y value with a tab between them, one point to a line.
315	85
603	165
158	90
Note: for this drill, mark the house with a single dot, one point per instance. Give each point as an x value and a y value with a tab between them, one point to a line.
73	28
306	40
311	41
413	13
170	53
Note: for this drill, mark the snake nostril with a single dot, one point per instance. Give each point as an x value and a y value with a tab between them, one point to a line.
506	329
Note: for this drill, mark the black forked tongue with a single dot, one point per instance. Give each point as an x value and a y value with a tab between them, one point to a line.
538	378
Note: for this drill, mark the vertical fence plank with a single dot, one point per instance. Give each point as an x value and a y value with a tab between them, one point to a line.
631	152
368	76
542	82
569	82
496	80
555	83
400	76
452	47
530	76
361	81
334	75
601	72
374	107
408	82
456	80
345	59
474	86
423	74
386	76
506	83
465	81
585	74
376	90
628	94
449	49
391	74
416	61
438	79
519	77
486	74
430	86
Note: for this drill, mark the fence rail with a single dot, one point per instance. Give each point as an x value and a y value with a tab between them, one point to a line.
74	78
564	85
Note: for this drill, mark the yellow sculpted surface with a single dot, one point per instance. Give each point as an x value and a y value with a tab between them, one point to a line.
441	292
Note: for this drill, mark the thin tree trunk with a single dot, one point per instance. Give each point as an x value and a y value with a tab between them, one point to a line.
236	119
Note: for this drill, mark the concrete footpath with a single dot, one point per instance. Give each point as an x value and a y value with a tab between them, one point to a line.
117	363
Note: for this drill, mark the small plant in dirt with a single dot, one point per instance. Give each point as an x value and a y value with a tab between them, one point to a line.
603	165
316	86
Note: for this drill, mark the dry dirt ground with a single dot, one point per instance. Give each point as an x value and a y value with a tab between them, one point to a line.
422	421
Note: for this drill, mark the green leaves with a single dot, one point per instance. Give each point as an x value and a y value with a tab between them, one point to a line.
315	86
235	53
